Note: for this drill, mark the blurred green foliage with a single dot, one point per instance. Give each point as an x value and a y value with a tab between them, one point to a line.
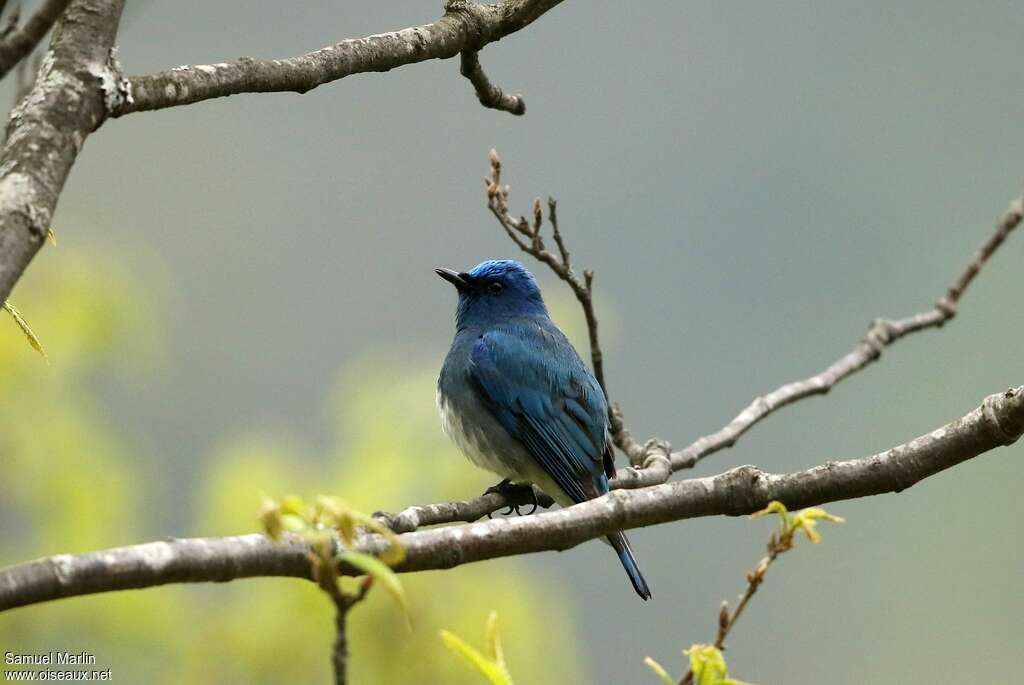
70	483
491	662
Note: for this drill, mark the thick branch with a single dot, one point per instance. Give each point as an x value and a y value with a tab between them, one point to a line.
998	421
22	41
48	127
466	26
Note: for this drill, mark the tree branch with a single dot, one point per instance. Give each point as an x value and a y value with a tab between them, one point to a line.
343	603
80	85
527	236
487	93
465	26
75	86
881	334
743	490
654	460
413	518
22	41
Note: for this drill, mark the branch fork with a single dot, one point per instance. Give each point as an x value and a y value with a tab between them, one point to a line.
653	462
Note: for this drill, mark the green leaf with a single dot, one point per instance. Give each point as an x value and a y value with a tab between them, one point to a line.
775	507
660	671
494	650
325	571
295	523
381	573
26	329
708	666
336	513
395	553
495	673
270	518
293	504
807	520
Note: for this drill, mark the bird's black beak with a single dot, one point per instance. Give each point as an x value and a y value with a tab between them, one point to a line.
453	277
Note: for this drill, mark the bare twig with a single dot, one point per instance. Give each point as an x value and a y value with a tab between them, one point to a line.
465	26
654	462
779	543
487	93
343	603
20	42
530	240
883	332
743	490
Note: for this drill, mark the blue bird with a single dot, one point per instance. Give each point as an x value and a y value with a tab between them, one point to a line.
517	399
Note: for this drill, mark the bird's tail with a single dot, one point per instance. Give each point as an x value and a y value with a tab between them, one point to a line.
621	545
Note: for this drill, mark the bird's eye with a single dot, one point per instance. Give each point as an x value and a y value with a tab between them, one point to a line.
495	287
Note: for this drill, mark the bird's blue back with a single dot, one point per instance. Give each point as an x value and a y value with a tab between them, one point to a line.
534	383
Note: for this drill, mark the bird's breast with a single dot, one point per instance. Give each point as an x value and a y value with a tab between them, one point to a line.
480	437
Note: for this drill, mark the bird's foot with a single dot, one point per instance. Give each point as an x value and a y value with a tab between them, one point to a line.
500	488
514	491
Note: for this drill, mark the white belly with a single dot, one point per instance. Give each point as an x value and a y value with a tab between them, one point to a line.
487	445
473	443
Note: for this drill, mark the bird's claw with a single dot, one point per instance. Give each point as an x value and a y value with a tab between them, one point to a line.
508	488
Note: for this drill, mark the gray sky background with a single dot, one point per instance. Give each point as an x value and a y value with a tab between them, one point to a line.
752	183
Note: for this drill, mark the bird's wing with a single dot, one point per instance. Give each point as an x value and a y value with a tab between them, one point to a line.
536	386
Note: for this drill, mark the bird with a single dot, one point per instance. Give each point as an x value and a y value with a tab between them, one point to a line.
516	398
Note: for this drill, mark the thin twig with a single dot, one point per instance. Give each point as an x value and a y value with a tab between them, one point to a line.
726	619
324	572
487	93
654	462
881	334
561	265
342	605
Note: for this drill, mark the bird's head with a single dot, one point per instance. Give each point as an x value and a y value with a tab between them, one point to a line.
494	291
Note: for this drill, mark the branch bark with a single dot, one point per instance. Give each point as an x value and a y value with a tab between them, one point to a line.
998	421
73	91
465	26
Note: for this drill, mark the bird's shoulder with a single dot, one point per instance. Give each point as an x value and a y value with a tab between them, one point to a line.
525	346
526	357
